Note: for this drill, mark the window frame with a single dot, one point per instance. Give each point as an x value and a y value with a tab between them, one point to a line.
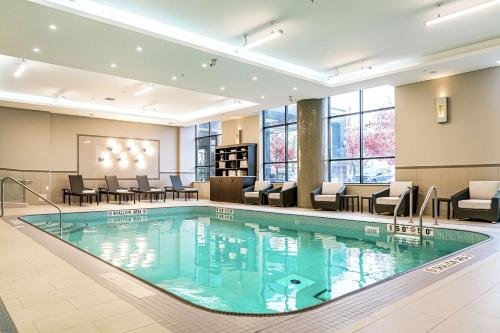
286	125
360	113
210	136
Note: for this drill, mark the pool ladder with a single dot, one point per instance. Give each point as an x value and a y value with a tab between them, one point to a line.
408	189
2	200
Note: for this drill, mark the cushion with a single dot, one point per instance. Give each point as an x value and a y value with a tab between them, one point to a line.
121	190
88	191
288	185
276	196
156	190
475	204
393	201
252	194
325	197
260	185
397	188
483	189
330	188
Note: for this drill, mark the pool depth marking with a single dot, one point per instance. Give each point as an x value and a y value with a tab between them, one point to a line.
447	264
127	212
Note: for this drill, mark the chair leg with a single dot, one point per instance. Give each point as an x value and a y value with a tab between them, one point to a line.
69	199
97	200
81	199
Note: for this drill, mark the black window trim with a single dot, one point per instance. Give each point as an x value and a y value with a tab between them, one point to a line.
209	136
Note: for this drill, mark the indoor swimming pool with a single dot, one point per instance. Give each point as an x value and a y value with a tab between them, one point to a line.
249	262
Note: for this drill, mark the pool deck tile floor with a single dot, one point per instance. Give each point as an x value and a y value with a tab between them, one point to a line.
43	292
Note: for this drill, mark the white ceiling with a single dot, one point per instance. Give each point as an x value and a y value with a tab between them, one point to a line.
389	34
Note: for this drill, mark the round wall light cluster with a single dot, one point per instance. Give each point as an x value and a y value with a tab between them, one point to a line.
135	150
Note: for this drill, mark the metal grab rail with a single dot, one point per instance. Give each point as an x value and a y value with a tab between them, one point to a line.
29	189
432	189
409	190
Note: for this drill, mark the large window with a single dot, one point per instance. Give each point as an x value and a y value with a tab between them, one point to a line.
361	135
280	143
207	138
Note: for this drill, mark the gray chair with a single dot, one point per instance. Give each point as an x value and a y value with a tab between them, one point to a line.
256	194
113	188
385	201
284	196
479	201
328	196
77	189
178	188
147	190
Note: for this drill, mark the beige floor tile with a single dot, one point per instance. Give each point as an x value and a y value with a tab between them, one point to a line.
41	311
37	299
468	322
85	328
27	327
123	322
94	298
82	316
153	328
403	321
488	304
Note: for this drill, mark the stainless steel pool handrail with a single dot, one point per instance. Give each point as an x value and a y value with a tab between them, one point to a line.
32	191
408	189
431	190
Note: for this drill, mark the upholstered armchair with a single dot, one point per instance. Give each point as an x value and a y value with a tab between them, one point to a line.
384	201
328	196
285	196
479	201
256	194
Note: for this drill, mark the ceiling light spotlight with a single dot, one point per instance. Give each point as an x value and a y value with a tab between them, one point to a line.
113	65
262	97
254	78
138	48
222	88
273	35
463	12
144	90
53	27
36	49
213	62
22	67
498	62
204	65
295	88
174	77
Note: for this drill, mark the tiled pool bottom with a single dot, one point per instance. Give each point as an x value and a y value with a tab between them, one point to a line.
216	260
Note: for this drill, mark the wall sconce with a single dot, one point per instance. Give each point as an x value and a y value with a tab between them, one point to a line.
105	159
442	109
132	147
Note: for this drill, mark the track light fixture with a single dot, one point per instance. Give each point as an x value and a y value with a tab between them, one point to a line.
275	33
463	12
22	67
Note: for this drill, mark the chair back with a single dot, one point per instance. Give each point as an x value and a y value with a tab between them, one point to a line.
143	183
288	185
112	182
176	183
397	188
260	185
483	189
76	183
330	188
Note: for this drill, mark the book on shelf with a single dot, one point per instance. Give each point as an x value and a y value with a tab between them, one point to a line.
231	157
242	173
244	164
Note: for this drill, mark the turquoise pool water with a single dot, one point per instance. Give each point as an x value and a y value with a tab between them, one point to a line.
250	262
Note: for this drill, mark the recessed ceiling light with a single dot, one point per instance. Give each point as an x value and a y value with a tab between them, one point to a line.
53	27
222	88
295	88
113	65
204	65
262	97
139	48
255	78
174	77
36	49
498	62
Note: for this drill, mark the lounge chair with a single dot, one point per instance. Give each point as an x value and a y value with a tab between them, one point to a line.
178	188
77	189
147	190
479	201
116	190
328	196
384	201
256	194
284	196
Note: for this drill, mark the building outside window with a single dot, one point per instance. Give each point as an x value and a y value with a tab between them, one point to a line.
207	138
280	143
361	136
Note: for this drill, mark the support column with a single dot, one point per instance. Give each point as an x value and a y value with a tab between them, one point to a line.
312	139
